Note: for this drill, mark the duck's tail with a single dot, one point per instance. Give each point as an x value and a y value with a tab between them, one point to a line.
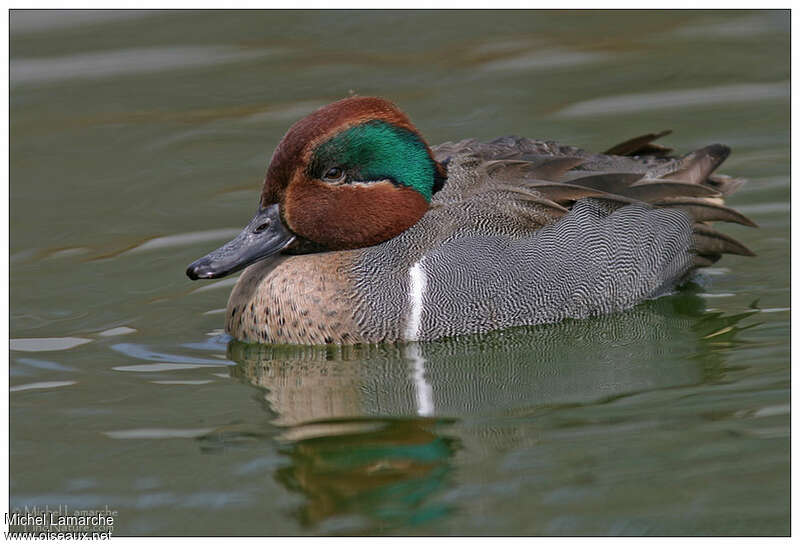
696	169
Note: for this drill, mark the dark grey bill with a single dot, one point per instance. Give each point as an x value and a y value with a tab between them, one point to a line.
264	236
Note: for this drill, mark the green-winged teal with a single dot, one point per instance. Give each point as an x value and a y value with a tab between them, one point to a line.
364	234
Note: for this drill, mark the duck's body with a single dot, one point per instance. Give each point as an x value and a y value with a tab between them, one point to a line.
522	232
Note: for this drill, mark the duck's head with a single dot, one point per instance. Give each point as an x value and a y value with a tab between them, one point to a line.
352	174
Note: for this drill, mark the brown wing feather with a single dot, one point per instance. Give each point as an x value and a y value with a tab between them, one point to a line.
541	167
651	191
607	182
569	193
704	210
724	184
641	145
710	241
694	168
555	176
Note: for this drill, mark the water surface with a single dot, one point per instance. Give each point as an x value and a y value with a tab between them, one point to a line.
138	143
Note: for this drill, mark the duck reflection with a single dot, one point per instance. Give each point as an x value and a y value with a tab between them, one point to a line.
379	463
372	432
385	473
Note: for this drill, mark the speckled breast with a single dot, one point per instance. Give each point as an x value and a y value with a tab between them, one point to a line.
305	299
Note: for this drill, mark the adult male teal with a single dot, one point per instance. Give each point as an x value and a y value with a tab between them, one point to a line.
364	234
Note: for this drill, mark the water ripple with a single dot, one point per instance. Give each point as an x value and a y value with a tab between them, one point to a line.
143	353
156	433
123	62
24	21
36	344
186	239
542	60
45	365
638	102
41	385
161	367
120	331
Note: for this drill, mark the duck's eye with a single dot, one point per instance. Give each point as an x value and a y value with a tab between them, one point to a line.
334	174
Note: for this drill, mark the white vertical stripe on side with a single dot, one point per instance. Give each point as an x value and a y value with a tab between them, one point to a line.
417	282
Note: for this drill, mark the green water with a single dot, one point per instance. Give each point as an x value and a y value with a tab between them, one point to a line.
139	142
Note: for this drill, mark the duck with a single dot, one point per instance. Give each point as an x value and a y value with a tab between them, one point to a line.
365	234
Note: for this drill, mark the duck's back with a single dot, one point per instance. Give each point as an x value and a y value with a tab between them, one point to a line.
528	232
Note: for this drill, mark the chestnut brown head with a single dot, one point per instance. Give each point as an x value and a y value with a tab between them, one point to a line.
352	174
